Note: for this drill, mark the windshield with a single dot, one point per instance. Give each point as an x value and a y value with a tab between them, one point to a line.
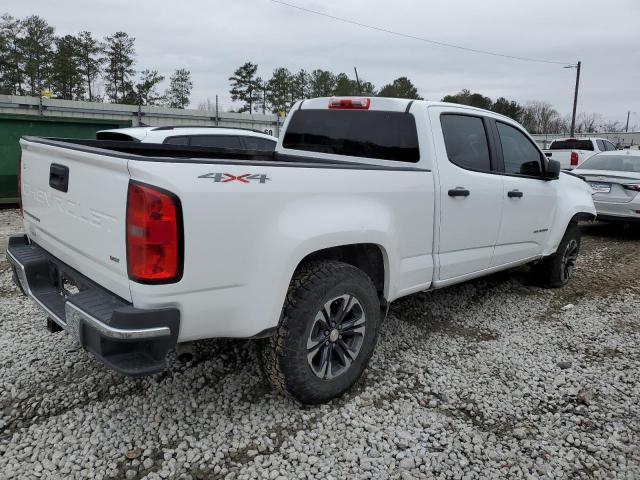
571	144
615	163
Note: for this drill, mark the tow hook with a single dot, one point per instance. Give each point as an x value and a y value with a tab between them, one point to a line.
52	326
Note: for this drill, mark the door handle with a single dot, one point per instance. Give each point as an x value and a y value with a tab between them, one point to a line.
459	192
515	194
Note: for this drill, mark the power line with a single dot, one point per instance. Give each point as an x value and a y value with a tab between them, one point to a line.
413	37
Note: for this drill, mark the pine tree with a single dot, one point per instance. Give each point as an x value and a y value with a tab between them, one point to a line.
345	86
37	51
66	76
90	60
300	86
279	90
147	88
400	88
179	91
509	108
322	83
119	53
244	86
11	62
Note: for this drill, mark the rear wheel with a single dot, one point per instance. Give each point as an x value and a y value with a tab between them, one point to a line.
327	332
556	270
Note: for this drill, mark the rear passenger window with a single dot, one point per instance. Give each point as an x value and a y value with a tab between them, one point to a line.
609	146
176	141
466	141
520	155
217	141
601	146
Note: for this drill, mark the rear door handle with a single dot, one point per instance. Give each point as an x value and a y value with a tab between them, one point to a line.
459	192
515	194
59	177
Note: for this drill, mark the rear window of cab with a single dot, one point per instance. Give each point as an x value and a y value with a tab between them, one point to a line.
571	144
357	133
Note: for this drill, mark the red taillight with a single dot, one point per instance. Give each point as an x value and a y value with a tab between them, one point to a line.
574	159
20	185
632	186
350	103
154	235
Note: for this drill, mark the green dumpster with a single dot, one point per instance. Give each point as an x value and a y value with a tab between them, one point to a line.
12	127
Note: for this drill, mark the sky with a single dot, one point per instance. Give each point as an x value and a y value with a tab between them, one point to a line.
212	38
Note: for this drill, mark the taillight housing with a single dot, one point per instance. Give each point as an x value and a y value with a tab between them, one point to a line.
632	186
154	235
574	159
361	103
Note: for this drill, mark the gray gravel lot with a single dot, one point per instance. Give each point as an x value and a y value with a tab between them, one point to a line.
493	378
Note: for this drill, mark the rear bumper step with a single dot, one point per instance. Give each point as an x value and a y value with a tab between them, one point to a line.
130	340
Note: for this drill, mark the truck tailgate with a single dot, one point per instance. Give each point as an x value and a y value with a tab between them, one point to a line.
75	208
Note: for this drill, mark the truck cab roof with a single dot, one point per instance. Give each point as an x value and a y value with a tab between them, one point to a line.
383	103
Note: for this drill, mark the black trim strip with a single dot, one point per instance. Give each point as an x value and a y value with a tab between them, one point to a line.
408	106
234	157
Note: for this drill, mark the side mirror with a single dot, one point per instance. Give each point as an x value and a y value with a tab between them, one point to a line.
553	170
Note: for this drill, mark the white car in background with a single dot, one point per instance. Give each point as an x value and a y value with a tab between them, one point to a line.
571	152
615	181
218	137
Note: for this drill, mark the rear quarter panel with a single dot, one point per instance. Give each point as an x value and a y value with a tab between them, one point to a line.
243	241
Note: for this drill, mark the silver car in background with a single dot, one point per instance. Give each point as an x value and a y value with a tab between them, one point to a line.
615	181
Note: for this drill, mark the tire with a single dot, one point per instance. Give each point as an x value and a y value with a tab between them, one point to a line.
310	359
556	270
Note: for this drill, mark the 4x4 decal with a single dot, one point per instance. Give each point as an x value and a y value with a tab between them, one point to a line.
228	177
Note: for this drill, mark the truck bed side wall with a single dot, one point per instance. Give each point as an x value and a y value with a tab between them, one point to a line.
243	241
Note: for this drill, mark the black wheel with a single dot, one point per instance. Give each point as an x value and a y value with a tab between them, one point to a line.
556	270
327	332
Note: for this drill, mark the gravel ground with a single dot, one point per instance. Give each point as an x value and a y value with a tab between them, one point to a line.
493	378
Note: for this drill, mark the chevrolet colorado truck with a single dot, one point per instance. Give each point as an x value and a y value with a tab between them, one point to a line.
133	248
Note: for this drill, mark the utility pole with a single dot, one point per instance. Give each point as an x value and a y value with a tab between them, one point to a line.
264	99
628	115
358	81
575	98
217	117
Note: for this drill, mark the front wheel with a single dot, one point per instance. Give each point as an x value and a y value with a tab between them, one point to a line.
556	270
327	332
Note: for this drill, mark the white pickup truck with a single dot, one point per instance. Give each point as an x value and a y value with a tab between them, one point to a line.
132	248
571	152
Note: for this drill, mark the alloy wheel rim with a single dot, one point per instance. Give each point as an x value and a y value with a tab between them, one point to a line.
569	260
336	336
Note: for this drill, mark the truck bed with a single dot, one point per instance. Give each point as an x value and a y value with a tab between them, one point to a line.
211	155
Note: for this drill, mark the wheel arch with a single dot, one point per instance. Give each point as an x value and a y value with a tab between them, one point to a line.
371	258
561	227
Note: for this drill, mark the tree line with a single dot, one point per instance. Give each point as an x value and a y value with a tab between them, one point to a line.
83	67
75	67
537	116
278	93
